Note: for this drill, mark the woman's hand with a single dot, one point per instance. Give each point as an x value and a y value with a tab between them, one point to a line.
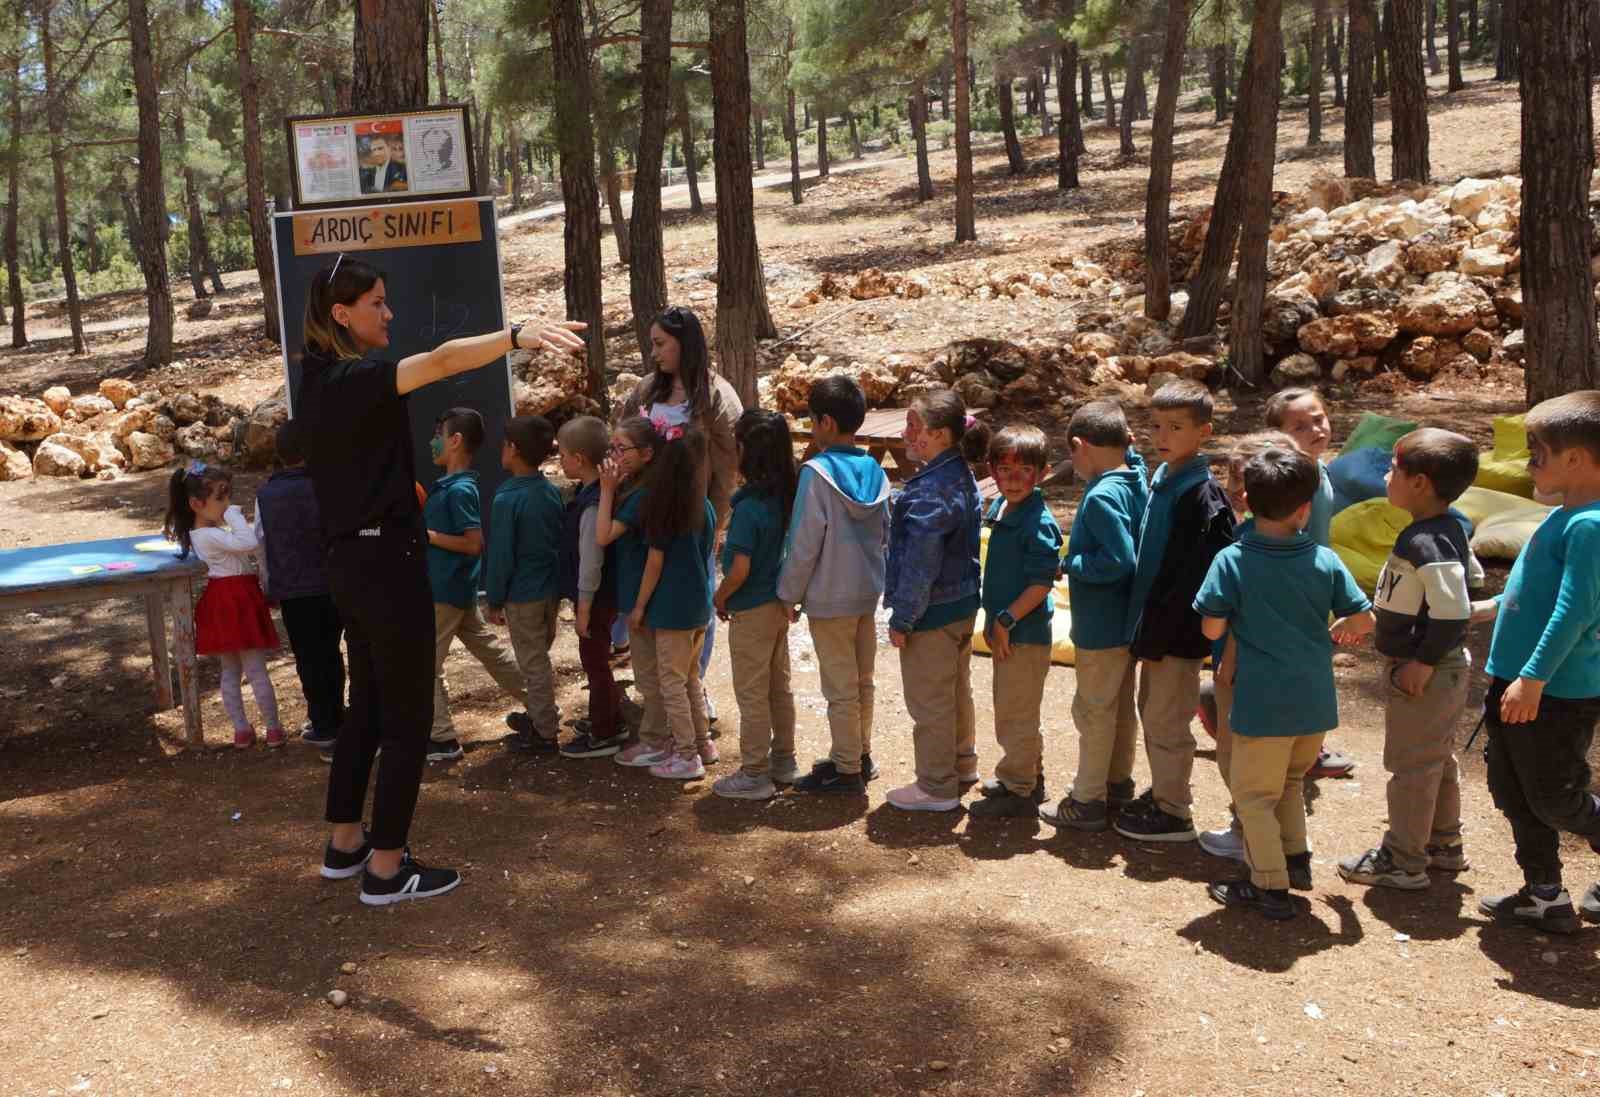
558	337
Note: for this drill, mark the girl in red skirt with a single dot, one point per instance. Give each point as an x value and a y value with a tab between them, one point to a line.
231	620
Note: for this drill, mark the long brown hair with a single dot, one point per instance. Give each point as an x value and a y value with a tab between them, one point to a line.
343	283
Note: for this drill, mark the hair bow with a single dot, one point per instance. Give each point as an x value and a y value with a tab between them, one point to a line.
971	422
196	468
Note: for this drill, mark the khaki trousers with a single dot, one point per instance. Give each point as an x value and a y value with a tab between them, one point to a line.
847	650
1418	751
1169	694
683	699
467	625
1018	695
1268	776
647	679
758	649
1223	692
936	669
1108	728
533	631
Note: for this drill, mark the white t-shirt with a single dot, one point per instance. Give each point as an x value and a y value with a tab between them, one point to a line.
227	550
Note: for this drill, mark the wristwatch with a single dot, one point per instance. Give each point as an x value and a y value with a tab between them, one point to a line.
516	330
1005	620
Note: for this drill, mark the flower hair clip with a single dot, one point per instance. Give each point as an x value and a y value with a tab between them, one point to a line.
196	468
971	422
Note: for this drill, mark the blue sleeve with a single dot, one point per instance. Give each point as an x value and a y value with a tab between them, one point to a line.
1577	601
502	549
1041	556
927	520
1347	596
463	509
1112	555
1219	593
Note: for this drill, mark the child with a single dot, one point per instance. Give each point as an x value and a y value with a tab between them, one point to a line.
758	635
589	580
932	594
675	524
1298	412
1100	564
833	569
1273	591
288	528
1423	608
1024	557
231	619
1186	523
524	542
455	548
1544	663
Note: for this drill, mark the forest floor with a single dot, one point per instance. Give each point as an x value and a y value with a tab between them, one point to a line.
164	930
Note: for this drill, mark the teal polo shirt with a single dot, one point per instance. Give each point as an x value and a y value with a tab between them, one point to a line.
453	508
755	529
525	541
683	595
1024	551
632	551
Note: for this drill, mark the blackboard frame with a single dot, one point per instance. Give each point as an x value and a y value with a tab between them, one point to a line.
389	198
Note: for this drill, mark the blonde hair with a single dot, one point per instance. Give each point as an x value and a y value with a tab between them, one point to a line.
344	283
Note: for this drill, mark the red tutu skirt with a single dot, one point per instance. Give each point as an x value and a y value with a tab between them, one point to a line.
232	615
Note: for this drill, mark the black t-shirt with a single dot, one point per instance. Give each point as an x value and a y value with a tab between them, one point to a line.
357	440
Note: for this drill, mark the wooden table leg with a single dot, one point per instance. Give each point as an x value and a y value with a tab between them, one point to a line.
182	601
155	617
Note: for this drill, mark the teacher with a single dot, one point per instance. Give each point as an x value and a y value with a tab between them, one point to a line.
351	416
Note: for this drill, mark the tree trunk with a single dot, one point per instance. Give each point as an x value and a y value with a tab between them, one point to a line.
1335	48
201	262
1557	286
944	94
1018	165
254	176
1158	191
760	142
1380	86
1429	34
613	189
1218	64
55	104
855	134
1408	101
1069	135
1452	32
438	48
691	168
1140	100
390	55
1250	287
647	274
574	126
792	134
485	143
1086	80
1130	103
1105	89
514	137
919	134
739	279
19	327
1319	30
1359	159
1508	57
152	190
966	212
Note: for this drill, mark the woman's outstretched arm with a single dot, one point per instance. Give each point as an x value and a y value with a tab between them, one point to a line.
461	355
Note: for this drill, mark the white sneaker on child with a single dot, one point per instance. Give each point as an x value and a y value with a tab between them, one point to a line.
1227	843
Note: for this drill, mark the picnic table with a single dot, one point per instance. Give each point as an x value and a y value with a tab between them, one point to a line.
147	568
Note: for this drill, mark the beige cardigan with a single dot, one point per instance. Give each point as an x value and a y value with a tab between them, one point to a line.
722	452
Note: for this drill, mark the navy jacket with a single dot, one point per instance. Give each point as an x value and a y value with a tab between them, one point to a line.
293	540
935	533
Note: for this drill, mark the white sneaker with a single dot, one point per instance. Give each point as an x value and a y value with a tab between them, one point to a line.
1226	843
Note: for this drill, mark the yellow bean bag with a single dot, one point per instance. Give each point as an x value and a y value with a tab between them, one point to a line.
1061	649
1363	534
1505	468
1501	523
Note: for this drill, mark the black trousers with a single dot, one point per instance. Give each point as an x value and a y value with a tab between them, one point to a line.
314	630
380	588
1539	776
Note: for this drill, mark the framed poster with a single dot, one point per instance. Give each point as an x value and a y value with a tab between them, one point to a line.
337	159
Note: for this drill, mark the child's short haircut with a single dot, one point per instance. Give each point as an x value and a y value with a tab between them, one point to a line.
1277	409
1256	442
532	436
287	443
1026	444
1448	460
1279	481
1100	423
586	436
1562	422
839	398
1189	396
465	422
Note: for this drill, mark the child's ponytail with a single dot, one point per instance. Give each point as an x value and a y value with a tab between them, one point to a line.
942	409
766	459
193	483
677	484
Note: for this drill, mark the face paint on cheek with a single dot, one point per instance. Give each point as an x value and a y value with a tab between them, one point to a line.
436	446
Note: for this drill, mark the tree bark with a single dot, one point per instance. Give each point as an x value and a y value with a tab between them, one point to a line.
1130	102
1105	90
1385	24
691	168
438	48
739	278
1250	287
55	104
966	211
1017	164
919	134
613	189
1319	29
647	274
1408	99
1158	192
1069	135
1452	32
1087	82
152	191
1219	81
1335	47
19	326
1359	161
1557	286
191	205
254	176
1430	32
1508	56
574	126
759	143
855	134
485	163
390	55
792	134
514	139
822	143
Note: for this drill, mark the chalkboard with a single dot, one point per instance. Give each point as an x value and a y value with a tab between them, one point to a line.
442	282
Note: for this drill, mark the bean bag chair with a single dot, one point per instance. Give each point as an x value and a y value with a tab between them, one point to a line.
1061	650
1502	523
1505	467
1364	534
1374	431
1357	475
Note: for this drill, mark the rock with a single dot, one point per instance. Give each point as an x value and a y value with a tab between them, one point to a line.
25	420
108	474
1284	313
199	309
872	283
1349	335
1497	215
1106	373
1179	305
162	427
14	464
1384	267
146	451
1297	369
1006	361
1362	299
1349	369
1471	195
338	999
1134	367
98	449
119	390
792	381
978	389
622	387
121	425
261	430
1484	262
917	285
1425	258
1479	344
57	398
938	1064
53	459
187	408
1344	660
560	379
877	381
1426	356
1514	346
1190	367
349	967
1158	381
88	406
197	440
1094	342
1443	308
1327	191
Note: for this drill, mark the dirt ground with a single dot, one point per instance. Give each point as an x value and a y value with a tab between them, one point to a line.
163	928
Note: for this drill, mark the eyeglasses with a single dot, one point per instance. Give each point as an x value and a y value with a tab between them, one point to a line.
619	448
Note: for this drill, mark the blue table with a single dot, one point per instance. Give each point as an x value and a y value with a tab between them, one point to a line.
128	567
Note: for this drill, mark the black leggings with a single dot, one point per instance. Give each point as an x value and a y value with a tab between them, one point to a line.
314	630
380	586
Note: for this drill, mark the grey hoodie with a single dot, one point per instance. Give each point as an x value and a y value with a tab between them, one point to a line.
834	556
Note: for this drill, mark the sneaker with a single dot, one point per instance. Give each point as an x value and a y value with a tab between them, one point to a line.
311	737
642	755
825	779
1300	871
1590	906
1273	904
1155	825
869	768
992	786
677	767
1547	908
1376	868
709	754
531	742
414	880
711	709
340	865
276	738
244	738
1076	815
1332	763
445	750
1448	858
1119	795
1226	843
585	745
785	769
912	798
1006	806
742	786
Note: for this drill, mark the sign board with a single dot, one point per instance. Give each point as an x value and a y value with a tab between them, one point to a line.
441	262
405	156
